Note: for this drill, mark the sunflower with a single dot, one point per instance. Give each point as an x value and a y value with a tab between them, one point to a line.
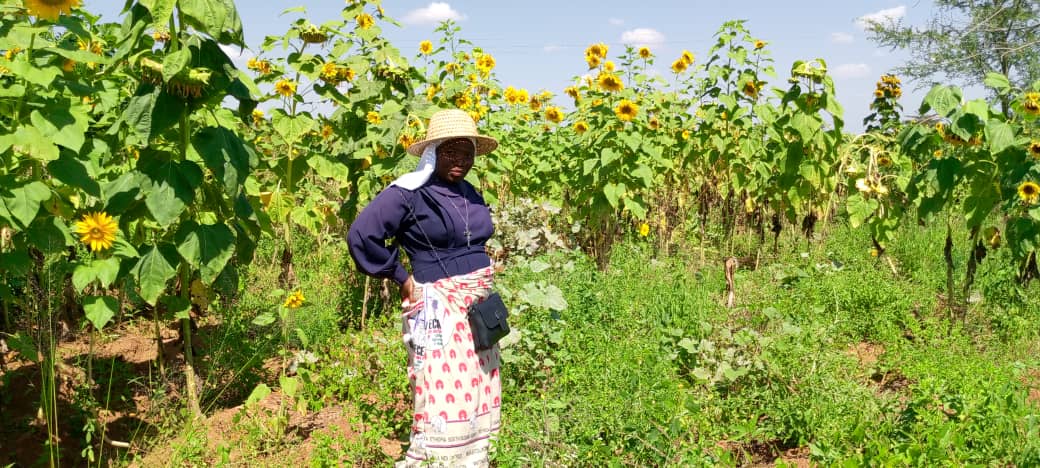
759	44
486	62
1031	106
346	74
536	103
685	135
581	127
405	140
572	91
463	101
597	50
1034	149
10	53
679	66
1029	192
654	124
431	92
97	231
286	88
294	300
687	57
751	89
258	116
553	114
592	60
608	66
626	110
373	118
50	9
644	52
644	230
609	82
879	93
330	72
364	20
425	47
884	161
326	132
522	96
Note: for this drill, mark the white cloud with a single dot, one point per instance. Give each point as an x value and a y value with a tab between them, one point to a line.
433	13
642	37
842	38
551	48
851	70
616	21
887	15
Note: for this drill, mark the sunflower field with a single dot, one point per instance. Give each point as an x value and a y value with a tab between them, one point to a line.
156	193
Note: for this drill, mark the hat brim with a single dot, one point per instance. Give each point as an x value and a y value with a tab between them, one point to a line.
485	144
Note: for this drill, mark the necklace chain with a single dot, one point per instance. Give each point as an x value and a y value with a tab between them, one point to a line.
465	217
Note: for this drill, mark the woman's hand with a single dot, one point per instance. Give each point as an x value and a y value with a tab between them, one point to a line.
409	292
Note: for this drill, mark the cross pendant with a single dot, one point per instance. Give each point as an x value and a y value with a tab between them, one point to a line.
467	234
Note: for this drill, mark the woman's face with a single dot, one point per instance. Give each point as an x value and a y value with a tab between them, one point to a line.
454	159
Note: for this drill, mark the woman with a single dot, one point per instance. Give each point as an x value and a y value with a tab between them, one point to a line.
442	223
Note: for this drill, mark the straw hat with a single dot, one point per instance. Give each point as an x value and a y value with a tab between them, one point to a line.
453	123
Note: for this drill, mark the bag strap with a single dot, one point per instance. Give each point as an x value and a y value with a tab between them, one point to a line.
429	243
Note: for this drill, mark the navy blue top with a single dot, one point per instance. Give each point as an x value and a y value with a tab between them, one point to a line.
442	209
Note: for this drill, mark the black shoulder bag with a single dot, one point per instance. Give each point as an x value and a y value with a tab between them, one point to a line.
487	319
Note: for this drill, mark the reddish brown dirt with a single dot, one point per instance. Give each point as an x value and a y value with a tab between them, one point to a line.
866	353
1031	379
763	453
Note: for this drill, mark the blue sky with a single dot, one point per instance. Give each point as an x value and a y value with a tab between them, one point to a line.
540	44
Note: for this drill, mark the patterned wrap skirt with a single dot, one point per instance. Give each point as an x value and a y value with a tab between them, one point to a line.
456	390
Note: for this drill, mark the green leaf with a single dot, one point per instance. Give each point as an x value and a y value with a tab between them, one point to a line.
860	209
226	155
983	197
608	155
613	192
942	99
59	125
259	393
169	187
217	18
40	76
161	11
74	172
179	306
100	310
16	263
155	267
644	174
289	385
998	82
174	63
330	169
999	135
50	234
22	202
589	166
207	247
105	271
30	140
23	344
264	319
292	128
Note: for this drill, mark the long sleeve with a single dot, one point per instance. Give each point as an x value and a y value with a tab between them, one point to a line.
379	221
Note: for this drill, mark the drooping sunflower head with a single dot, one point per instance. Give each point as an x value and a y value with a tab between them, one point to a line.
572	91
286	88
51	9
644	52
97	230
364	20
1029	192
553	114
626	110
654	123
609	82
751	89
581	127
884	161
679	66
1034	149
536	103
326	131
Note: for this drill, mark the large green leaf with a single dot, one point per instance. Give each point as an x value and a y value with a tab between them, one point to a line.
613	192
100	310
74	172
103	270
999	135
40	76
942	99
226	155
62	125
217	18
50	234
207	247
291	128
175	62
20	203
31	141
161	11
150	112
170	187
155	267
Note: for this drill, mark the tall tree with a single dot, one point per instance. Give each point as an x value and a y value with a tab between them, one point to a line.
966	39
